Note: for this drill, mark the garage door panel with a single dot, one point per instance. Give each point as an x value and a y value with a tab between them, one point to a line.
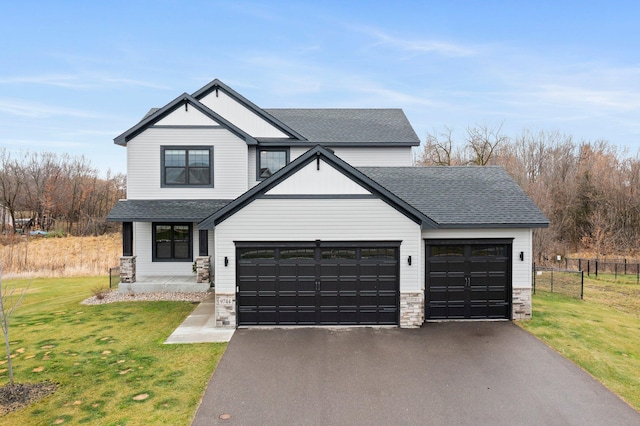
319	286
468	281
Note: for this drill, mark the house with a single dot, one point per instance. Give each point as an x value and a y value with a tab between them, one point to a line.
317	217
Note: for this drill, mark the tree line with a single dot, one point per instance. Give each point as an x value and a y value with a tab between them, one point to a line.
55	192
589	190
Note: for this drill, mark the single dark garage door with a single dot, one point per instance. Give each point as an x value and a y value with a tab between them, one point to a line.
468	280
317	283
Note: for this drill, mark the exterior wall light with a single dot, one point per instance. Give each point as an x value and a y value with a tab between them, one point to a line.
522	256
409	260
226	261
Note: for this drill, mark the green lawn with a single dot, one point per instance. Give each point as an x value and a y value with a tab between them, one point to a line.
103	356
600	333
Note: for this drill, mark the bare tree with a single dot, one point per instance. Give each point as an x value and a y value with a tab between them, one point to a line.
439	149
482	141
8	304
11	184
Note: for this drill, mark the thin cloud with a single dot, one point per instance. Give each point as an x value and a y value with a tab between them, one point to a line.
416	46
574	95
22	108
73	81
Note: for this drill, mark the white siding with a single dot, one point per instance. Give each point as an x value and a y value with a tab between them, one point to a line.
313	219
143	164
189	117
367	156
142	248
310	180
522	242
251	167
241	116
357	157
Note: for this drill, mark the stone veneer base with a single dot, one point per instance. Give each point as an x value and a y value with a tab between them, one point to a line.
225	310
521	304
411	309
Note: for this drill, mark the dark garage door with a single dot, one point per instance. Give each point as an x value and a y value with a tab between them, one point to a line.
468	280
317	283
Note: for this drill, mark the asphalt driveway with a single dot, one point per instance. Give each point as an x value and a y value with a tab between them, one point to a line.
452	373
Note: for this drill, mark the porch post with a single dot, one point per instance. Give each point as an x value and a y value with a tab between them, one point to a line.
127	238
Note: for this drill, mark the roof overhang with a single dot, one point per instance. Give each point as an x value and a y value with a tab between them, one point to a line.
164	210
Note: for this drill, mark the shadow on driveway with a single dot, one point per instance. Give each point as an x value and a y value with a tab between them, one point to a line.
451	373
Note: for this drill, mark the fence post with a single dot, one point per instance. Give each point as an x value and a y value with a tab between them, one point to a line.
588	268
581	285
625	266
566	263
534	278
580	264
615	271
552	281
596	269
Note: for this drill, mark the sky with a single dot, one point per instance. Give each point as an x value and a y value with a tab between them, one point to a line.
75	74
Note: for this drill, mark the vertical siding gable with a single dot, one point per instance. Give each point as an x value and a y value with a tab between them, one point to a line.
240	115
186	117
314	181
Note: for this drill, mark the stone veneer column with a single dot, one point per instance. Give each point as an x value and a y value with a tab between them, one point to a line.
226	310
203	269
128	269
521	303
411	309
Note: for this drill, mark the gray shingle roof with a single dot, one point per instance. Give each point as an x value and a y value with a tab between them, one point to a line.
335	126
461	197
164	210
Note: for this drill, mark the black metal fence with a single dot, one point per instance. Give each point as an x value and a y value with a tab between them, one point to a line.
114	277
609	266
554	280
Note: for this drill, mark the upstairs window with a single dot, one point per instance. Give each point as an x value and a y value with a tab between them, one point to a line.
172	242
190	166
270	160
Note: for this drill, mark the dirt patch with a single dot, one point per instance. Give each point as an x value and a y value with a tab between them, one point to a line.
20	395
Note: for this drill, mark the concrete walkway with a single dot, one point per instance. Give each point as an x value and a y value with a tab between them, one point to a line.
200	326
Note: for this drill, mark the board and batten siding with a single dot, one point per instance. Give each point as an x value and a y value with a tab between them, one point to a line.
307	181
186	117
241	116
522	242
143	249
143	163
343	219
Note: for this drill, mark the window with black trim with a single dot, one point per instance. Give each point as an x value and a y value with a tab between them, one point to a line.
172	242
270	160
187	166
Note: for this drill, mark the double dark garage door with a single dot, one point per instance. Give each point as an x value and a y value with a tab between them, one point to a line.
317	283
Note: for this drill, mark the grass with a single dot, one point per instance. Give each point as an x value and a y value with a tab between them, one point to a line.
601	333
23	256
109	361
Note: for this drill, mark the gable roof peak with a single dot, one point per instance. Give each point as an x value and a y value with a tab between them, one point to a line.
156	115
216	85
